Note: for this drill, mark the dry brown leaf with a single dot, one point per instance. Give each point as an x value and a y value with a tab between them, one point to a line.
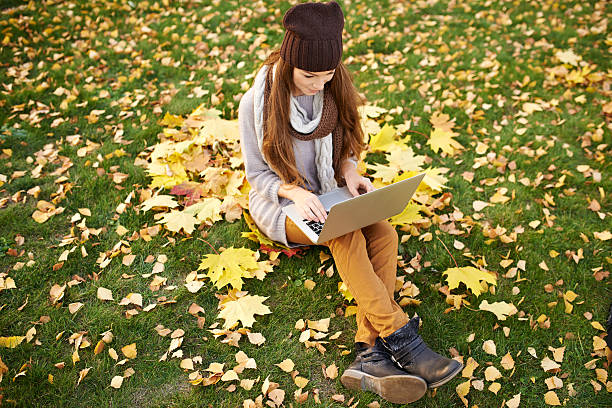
489	347
557	353
277	396
82	374
256	338
74	307
553	382
247	384
116	382
230	375
309	284
128	259
104	294
320	325
186	364
99	347
514	402
550	366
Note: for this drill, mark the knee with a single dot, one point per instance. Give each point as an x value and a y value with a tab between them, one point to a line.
387	231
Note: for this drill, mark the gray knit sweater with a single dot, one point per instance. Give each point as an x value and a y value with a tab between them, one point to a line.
265	205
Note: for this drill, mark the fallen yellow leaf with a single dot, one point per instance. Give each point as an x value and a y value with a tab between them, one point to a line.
331	371
492	373
551	398
462	390
129	351
286	365
507	362
11	342
470	276
301	382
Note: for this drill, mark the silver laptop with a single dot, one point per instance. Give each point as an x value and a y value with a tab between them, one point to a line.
347	213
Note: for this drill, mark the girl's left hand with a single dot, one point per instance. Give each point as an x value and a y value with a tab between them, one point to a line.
356	182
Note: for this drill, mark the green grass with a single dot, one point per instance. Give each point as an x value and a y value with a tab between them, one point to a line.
50	42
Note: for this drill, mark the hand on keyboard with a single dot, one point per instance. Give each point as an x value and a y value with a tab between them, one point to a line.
315	225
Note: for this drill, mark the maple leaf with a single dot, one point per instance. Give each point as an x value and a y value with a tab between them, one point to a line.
160	200
434	178
443	139
385	140
371	111
197	160
470	276
232	208
229	267
167	176
410	214
209	209
177	220
383	171
215	179
400	160
190	189
442	121
243	309
171	120
568	57
257	236
235	181
405	159
501	309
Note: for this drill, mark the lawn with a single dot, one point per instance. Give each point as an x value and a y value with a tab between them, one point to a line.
121	180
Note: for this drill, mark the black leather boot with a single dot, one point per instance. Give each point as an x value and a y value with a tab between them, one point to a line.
374	371
414	356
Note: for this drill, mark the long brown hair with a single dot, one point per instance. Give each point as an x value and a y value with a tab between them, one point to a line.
277	145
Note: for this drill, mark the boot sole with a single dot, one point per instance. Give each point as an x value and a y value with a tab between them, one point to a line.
398	389
446	379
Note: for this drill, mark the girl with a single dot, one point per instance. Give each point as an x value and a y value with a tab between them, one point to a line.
301	137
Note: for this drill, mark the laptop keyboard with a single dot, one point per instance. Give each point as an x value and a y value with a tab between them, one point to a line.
316	226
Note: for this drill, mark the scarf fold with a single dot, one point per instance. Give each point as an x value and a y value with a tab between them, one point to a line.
324	128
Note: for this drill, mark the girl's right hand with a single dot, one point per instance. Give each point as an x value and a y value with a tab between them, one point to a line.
308	204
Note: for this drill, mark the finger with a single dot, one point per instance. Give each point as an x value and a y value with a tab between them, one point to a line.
354	191
304	213
312	215
319	212
368	185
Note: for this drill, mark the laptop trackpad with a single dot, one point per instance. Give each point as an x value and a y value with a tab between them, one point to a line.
334	197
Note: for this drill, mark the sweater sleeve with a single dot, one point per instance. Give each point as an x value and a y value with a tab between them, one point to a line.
259	175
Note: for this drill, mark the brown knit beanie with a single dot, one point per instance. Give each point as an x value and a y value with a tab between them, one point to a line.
313	36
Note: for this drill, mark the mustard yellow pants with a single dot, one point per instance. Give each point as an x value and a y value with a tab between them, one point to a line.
366	260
